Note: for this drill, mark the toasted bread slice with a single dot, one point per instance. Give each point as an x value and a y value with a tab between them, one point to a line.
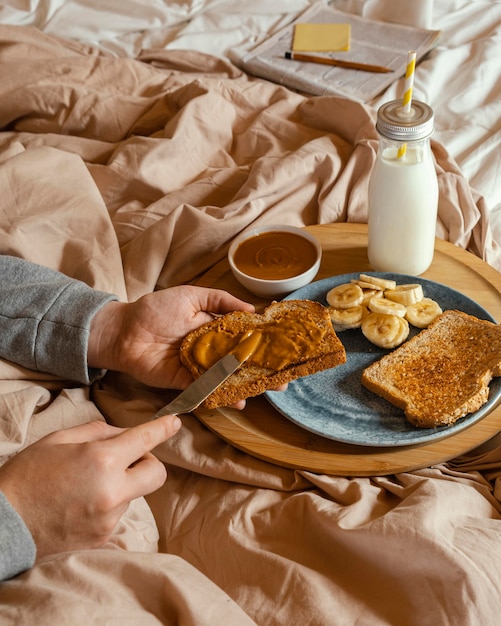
441	374
252	379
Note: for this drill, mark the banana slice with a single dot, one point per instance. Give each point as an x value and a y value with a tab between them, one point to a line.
385	331
403	334
368	294
381	308
379	304
345	296
405	294
422	313
366	285
342	319
383	283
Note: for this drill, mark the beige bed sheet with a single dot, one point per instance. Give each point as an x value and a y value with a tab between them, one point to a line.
136	175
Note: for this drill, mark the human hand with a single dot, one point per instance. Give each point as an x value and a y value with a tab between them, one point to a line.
142	338
72	487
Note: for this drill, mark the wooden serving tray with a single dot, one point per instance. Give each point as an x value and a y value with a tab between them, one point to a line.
263	432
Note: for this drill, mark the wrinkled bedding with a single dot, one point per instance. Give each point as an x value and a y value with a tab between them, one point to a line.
460	78
136	174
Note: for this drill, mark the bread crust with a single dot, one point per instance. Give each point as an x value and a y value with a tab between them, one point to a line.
250	380
441	374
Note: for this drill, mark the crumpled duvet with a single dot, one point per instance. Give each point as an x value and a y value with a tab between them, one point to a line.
137	174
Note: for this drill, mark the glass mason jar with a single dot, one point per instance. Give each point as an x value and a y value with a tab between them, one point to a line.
403	191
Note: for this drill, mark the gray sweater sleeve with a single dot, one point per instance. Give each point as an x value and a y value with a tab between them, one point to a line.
44	325
45	319
17	548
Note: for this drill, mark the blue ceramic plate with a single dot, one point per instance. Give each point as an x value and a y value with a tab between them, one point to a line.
333	403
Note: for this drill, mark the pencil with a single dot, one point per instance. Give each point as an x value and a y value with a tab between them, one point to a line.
352	65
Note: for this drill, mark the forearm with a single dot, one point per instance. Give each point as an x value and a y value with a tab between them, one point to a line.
45	319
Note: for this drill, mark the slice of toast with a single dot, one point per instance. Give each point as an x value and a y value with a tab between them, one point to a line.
252	379
441	374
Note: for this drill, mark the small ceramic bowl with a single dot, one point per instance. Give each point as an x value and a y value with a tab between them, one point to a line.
274	260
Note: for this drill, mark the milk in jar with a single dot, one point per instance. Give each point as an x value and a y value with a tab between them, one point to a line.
403	191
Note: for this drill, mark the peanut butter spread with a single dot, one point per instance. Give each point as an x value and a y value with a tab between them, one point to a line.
284	341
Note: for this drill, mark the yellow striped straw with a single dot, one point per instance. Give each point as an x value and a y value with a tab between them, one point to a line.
407	100
409	81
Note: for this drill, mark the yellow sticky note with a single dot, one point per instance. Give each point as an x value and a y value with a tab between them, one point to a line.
321	37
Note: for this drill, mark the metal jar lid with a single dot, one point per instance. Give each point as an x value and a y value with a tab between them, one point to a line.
394	123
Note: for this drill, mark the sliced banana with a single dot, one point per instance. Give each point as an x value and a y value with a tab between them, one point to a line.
379	304
366	285
342	319
385	331
368	294
381	308
345	296
383	283
423	313
404	333
405	294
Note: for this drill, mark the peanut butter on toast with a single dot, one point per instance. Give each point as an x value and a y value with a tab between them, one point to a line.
297	340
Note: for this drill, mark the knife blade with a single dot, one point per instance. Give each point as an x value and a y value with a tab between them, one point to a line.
202	387
193	396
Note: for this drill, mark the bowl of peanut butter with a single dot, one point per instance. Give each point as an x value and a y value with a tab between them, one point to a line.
273	260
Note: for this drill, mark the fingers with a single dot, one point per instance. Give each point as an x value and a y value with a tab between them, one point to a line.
144	471
91	431
132	444
137	441
210	302
145	476
219	301
281	387
240	405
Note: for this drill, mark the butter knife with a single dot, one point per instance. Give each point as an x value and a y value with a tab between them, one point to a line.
193	396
